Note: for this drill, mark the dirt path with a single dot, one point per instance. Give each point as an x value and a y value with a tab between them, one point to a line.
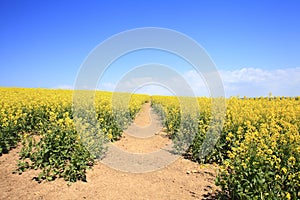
182	179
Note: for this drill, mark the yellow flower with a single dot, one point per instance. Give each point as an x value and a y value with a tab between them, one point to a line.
291	177
244	165
284	170
269	151
288	195
228	139
230	135
292	160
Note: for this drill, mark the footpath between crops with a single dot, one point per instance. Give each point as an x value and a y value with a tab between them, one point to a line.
135	167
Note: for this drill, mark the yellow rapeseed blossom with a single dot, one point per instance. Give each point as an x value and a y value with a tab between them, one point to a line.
284	170
288	196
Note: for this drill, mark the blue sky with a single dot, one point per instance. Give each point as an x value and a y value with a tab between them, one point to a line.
254	44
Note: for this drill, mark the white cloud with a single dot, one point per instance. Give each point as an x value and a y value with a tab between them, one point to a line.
259	82
196	82
164	85
107	86
138	86
65	87
256	75
244	82
252	75
154	90
251	82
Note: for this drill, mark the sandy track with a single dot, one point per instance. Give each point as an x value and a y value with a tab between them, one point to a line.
182	179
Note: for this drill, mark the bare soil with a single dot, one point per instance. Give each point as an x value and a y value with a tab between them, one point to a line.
183	179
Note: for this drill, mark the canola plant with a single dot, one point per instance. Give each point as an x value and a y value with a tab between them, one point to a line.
256	143
258	149
61	144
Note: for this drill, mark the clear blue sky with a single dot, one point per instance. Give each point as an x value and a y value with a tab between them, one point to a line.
43	43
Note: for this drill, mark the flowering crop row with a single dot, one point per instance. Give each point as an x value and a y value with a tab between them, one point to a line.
59	136
258	149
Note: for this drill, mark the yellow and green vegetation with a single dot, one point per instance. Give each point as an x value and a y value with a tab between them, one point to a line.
257	139
53	140
258	150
